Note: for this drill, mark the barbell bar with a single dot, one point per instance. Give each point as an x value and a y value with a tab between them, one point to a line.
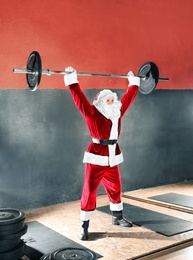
148	72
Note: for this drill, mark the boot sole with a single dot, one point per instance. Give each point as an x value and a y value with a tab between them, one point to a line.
116	223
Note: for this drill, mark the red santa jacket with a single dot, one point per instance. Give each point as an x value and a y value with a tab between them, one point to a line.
100	127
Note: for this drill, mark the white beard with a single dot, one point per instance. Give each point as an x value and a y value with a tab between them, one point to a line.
112	111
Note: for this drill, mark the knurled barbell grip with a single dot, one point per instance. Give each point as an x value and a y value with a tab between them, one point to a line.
50	72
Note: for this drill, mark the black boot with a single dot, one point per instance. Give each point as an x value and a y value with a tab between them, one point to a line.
84	230
119	220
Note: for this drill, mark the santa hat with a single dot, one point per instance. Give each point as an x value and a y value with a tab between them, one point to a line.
102	96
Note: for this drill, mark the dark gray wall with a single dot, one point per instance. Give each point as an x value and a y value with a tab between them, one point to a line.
43	138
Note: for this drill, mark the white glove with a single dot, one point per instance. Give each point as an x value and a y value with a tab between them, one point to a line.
133	80
70	77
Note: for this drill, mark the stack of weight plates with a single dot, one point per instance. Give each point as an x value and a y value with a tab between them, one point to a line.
70	254
12	228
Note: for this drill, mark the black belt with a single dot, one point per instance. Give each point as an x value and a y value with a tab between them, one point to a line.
107	142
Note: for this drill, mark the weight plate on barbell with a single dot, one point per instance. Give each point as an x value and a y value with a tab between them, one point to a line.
10	216
34	70
150	72
73	254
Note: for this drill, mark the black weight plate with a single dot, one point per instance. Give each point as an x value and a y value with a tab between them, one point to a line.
73	253
150	72
10	216
34	64
9	244
12	228
14	235
15	253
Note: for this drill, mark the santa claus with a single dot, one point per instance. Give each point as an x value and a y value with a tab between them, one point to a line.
103	155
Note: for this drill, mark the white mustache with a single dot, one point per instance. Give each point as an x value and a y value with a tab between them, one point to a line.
112	111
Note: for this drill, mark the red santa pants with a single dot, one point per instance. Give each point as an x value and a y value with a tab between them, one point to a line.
94	175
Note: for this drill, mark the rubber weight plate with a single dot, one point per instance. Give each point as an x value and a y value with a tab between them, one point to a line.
150	72
10	216
73	254
12	228
15	253
8	244
14	235
34	65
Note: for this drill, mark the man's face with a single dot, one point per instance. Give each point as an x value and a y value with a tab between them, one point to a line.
110	100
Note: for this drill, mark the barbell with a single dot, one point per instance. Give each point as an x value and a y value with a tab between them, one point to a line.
148	73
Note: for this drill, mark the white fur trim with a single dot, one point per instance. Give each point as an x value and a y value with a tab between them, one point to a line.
112	159
116	207
114	129
102	160
103	93
85	215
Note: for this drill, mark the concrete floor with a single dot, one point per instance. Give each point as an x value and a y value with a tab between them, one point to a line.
115	242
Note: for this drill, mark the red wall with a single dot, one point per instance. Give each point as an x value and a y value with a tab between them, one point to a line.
112	36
